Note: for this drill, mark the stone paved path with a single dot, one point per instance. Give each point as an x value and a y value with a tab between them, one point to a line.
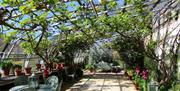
103	82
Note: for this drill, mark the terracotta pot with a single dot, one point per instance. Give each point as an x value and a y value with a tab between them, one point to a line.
125	73
130	77
46	66
136	86
18	72
91	69
38	66
5	72
62	64
27	71
46	73
59	66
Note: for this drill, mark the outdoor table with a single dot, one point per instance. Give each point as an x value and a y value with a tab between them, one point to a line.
42	87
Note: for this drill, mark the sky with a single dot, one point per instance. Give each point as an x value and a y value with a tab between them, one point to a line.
71	8
119	2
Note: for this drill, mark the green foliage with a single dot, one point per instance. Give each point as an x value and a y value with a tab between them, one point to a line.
115	63
49	27
151	45
59	59
150	64
130	72
175	87
89	66
6	64
130	50
27	48
17	66
84	30
142	84
8	37
112	4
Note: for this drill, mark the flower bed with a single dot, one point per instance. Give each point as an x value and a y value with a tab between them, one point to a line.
140	77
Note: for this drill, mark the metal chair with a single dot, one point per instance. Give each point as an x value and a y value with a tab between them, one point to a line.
53	81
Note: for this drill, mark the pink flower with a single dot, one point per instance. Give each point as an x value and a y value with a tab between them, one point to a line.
137	69
144	74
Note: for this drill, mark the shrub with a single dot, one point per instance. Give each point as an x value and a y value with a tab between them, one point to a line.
6	64
17	66
88	67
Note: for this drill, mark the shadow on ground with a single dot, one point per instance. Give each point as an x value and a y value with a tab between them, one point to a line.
100	82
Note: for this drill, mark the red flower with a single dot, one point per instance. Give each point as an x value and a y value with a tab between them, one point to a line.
46	73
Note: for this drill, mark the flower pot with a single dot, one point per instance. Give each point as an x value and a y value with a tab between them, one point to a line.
46	73
27	71
59	66
136	86
38	67
125	73
5	72
18	72
130	77
91	69
62	65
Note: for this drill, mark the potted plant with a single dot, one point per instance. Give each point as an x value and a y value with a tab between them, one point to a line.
27	70
59	62
89	67
136	86
125	73
59	66
5	67
17	69
38	66
130	74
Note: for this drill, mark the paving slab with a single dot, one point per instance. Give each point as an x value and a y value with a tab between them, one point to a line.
103	82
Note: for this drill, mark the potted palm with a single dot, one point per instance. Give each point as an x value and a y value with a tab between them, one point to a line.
17	69
5	67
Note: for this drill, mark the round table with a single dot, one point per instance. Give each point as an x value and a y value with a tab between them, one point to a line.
42	87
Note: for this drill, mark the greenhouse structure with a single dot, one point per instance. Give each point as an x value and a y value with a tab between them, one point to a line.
89	45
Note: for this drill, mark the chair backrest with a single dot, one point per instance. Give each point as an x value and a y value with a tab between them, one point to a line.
53	81
21	80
